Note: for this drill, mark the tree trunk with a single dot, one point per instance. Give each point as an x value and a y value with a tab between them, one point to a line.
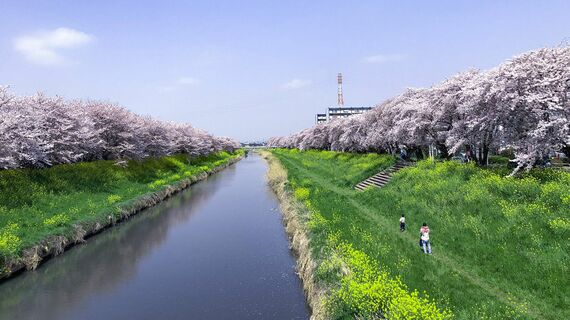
485	158
479	156
425	151
487	138
469	152
566	151
444	151
419	153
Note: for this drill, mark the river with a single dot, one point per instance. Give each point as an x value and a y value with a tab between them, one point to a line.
217	250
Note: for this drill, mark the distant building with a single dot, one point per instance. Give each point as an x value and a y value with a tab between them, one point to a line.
253	144
345	112
340	111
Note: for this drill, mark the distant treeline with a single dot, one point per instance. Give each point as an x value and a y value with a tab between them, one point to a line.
521	105
38	131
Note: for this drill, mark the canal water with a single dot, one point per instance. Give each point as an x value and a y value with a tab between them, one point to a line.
215	251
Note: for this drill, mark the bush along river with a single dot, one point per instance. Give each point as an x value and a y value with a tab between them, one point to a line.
217	250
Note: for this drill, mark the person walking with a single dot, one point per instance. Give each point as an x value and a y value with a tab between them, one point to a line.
402	223
403	154
424	238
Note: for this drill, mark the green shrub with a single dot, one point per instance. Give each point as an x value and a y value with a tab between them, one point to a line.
368	292
9	240
302	193
507	153
498	160
111	199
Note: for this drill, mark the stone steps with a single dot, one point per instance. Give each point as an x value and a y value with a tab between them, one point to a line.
381	178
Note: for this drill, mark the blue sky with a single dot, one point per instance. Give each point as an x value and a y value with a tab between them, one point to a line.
254	69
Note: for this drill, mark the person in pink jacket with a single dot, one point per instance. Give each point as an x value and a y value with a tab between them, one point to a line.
424	238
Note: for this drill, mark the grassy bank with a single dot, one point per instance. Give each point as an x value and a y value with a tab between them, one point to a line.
44	210
501	245
295	218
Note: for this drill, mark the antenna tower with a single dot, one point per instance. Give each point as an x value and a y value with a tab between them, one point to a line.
340	98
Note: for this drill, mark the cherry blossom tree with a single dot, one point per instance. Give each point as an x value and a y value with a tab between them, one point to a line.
533	102
523	104
40	131
7	124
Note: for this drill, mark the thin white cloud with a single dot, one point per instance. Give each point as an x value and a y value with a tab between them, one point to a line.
166	89
188	81
44	47
384	58
178	84
296	84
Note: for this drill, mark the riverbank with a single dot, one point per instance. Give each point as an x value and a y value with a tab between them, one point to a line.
45	211
484	226
295	216
217	250
322	257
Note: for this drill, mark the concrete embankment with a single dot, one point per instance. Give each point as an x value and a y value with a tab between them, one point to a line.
55	245
294	215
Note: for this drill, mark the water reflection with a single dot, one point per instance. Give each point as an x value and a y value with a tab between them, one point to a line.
214	243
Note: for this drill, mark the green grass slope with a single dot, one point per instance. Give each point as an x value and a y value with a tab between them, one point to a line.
501	245
39	203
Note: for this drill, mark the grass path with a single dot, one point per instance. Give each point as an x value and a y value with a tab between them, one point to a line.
442	257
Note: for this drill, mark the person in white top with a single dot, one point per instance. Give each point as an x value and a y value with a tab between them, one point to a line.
424	238
402	223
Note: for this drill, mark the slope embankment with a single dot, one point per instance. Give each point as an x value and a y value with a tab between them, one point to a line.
484	224
43	212
340	281
294	215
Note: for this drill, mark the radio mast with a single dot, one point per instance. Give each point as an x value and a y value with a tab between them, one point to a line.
340	98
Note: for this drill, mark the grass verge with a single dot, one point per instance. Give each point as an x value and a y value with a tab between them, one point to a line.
295	216
44	211
501	245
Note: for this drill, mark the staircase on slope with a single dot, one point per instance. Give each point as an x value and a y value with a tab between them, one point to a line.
381	178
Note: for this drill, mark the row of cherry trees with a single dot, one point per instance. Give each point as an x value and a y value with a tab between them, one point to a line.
521	105
39	131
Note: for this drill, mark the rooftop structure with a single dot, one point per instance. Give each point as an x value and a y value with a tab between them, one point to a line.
321	117
340	111
344	112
